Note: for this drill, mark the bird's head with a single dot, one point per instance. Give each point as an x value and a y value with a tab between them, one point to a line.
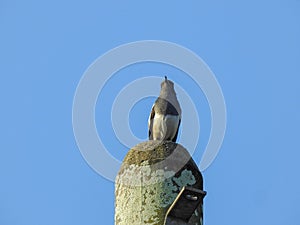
167	84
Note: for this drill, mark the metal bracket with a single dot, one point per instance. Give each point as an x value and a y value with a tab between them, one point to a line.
185	204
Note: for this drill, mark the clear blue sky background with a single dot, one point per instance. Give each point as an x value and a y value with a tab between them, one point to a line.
252	47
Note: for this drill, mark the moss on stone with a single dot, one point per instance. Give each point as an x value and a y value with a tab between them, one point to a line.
149	180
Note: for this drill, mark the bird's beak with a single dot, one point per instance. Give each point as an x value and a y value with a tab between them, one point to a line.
166	78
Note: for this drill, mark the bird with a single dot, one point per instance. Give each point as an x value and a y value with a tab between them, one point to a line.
165	117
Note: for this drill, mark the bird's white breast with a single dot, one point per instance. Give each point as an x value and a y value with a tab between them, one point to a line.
165	126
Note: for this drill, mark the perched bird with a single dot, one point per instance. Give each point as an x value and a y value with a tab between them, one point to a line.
165	116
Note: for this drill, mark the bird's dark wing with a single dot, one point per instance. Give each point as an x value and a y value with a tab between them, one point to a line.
175	137
150	123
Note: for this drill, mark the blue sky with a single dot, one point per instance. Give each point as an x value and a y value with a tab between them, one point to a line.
251	46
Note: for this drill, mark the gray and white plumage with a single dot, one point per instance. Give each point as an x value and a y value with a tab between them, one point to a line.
165	116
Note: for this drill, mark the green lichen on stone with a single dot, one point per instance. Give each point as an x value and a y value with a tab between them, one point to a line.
145	201
186	178
145	188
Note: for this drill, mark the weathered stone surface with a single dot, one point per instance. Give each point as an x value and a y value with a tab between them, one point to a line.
149	180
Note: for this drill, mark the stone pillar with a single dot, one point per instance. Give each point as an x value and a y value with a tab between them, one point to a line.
149	180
